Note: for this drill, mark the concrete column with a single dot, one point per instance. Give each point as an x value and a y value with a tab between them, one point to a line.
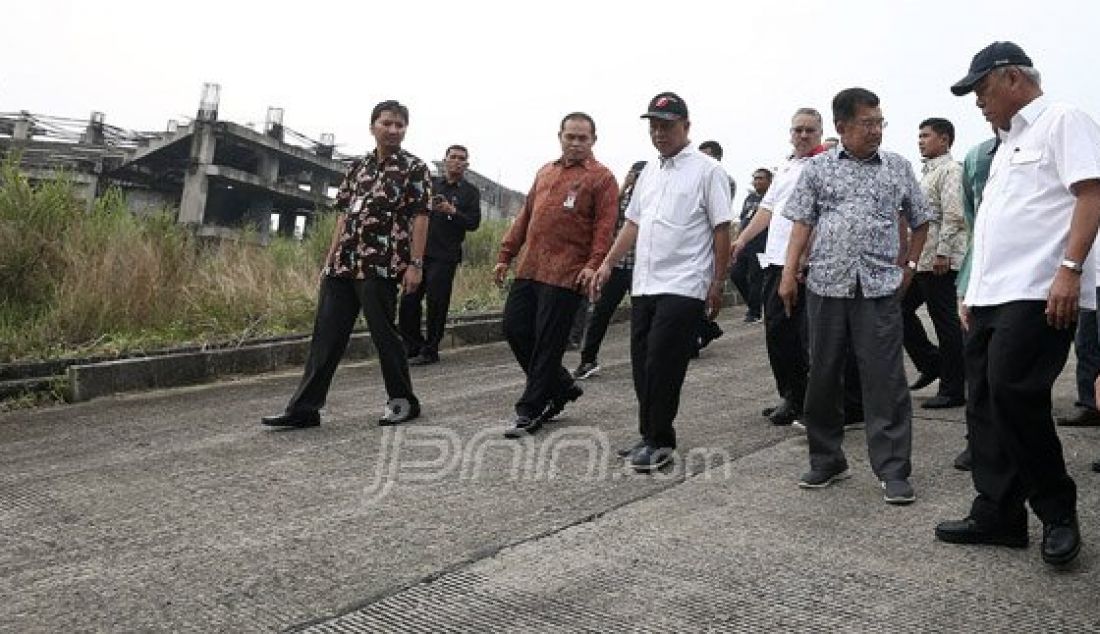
267	166
318	187
22	128
93	133
195	182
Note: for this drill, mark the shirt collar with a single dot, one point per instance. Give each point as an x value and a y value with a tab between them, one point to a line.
672	161
843	154
588	163
1028	114
1032	110
820	149
934	163
372	156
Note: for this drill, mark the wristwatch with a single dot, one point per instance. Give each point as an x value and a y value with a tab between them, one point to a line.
1073	266
417	262
912	265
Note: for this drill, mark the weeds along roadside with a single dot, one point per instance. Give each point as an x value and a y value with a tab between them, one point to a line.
75	282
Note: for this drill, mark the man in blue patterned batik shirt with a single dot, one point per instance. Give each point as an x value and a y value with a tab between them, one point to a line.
850	199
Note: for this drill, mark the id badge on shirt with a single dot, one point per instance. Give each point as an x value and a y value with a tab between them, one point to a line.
571	197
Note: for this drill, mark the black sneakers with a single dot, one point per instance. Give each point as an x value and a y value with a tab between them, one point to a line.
399	410
649	459
586	369
557	404
821	478
521	426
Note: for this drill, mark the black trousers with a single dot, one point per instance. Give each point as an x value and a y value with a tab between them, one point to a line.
662	340
871	329
340	302
1012	360
748	278
787	340
537	318
580	321
617	286
1086	347
439	278
939	294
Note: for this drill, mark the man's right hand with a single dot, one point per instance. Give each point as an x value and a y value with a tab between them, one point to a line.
500	272
598	280
964	316
788	290
735	250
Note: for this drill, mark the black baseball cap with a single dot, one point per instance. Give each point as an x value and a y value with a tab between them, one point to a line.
668	106
993	56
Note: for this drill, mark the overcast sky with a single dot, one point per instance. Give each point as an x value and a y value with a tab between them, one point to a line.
497	76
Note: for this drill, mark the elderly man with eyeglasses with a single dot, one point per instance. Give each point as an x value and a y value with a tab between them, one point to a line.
850	198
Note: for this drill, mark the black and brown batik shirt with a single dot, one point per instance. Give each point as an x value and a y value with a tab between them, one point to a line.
380	199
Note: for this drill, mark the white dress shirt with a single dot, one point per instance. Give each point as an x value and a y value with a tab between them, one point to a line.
779	229
1022	227
677	203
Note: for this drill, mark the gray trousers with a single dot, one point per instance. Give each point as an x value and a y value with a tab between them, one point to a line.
873	326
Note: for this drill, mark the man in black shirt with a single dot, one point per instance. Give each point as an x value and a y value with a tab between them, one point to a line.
746	274
455	209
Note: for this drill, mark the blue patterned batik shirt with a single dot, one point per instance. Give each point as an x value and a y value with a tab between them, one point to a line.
855	206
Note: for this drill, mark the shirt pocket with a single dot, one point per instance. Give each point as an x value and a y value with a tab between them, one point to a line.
1024	169
584	203
680	205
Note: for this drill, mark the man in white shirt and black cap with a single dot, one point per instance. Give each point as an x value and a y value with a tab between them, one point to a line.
1031	271
679	219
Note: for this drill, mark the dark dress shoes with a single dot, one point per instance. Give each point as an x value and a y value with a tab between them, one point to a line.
942	401
924	380
1081	417
784	414
964	460
1096	466
969	531
1061	541
424	358
293	419
399	410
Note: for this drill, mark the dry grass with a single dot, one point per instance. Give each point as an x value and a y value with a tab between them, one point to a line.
107	282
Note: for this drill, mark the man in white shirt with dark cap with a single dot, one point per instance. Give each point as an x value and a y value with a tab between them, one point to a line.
679	219
1031	271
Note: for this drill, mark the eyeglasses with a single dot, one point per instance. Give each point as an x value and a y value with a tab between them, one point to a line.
871	124
803	130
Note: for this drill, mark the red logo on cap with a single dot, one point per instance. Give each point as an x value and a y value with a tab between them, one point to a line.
662	102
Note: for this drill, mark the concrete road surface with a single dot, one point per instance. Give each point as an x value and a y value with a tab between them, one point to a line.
177	511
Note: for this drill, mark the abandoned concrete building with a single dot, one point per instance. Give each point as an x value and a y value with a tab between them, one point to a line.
215	175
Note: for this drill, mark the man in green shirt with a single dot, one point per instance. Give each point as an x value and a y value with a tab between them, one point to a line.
975	174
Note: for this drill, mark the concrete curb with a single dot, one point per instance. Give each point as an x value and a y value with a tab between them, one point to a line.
92	380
